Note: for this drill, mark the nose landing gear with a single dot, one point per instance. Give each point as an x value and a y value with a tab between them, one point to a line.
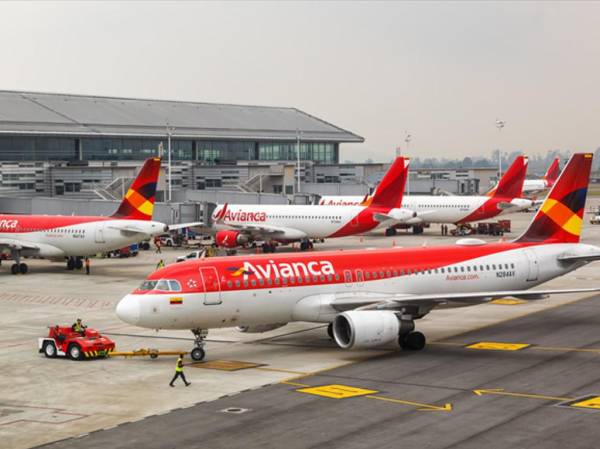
198	353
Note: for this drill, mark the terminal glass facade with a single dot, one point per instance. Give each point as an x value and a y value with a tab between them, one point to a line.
46	148
286	151
19	148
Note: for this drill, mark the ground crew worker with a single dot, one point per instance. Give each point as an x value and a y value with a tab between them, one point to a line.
160	264
157	243
179	372
78	327
87	265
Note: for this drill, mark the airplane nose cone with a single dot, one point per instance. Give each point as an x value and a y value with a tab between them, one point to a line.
128	309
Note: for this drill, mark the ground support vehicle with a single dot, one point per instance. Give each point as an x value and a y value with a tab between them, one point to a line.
63	341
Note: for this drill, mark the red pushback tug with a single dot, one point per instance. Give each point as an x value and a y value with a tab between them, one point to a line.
63	341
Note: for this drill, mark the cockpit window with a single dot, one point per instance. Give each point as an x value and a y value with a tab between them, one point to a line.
166	285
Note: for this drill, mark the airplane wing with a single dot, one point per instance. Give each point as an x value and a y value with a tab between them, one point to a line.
17	244
173	227
272	231
374	301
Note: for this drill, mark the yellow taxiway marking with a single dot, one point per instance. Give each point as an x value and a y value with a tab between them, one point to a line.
337	391
498	346
507	302
421	407
590	402
500	391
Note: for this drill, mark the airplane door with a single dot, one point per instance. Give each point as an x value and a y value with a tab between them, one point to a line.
212	286
99	233
533	269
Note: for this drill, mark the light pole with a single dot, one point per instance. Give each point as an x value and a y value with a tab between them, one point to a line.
500	124
170	130
298	132
407	139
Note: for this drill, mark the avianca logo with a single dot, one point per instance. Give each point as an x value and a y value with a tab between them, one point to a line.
8	224
284	269
240	216
339	203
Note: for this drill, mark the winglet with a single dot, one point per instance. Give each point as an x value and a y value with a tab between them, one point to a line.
390	190
138	203
560	217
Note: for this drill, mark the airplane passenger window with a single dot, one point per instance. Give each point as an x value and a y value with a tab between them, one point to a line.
277	281
315	279
245	283
442	270
374	274
337	277
506	266
322	278
474	267
480	267
468	268
512	265
367	275
284	281
238	283
261	282
329	277
395	273
487	267
388	274
493	267
229	284
462	269
299	279
269	282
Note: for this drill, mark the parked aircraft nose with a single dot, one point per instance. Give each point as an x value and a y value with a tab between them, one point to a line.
128	309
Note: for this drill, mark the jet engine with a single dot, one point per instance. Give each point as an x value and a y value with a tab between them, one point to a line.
401	215
365	329
259	328
230	239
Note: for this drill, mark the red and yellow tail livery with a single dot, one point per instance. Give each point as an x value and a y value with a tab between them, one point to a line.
138	203
560	217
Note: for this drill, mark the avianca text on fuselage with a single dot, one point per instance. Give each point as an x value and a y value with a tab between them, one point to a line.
274	270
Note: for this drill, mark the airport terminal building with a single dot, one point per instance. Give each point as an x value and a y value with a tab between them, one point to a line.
67	145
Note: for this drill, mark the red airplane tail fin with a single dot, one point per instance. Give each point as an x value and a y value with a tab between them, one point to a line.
560	217
138	203
553	171
390	190
511	183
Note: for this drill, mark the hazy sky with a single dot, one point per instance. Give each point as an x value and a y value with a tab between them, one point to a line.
443	71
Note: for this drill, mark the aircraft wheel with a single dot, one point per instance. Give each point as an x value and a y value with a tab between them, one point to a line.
70	264
413	341
74	352
49	350
14	269
197	354
23	268
78	263
390	232
303	246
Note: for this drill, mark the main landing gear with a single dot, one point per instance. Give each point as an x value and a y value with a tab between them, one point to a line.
74	263
408	338
305	245
198	353
268	247
18	267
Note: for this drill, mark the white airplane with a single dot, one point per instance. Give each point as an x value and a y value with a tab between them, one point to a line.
73	237
460	209
534	186
236	225
369	298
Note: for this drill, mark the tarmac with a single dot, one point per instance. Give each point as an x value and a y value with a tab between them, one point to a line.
425	398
